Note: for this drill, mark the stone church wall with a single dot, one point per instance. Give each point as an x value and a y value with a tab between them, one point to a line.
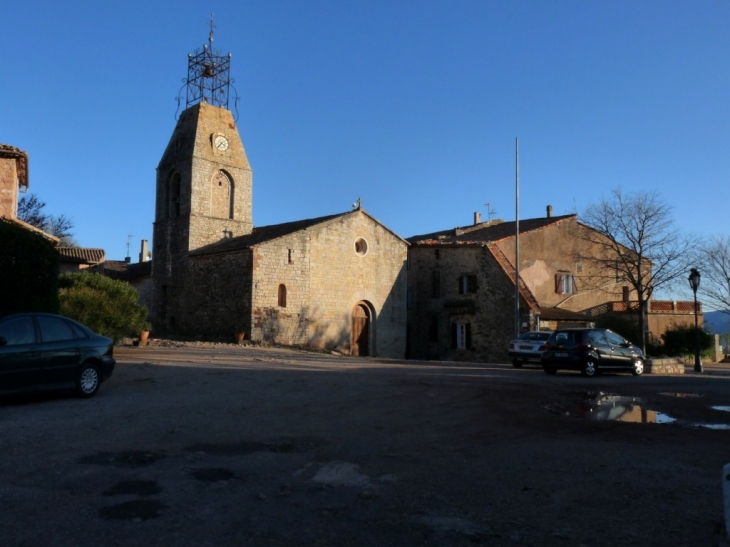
327	279
217	299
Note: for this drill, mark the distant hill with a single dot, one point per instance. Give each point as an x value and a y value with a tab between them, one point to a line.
717	322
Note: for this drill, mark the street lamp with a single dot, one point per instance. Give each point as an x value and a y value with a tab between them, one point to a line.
694	282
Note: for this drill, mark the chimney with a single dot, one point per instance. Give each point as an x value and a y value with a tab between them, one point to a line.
477	218
549	211
144	253
127	259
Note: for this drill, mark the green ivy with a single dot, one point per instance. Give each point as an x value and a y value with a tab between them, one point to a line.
29	265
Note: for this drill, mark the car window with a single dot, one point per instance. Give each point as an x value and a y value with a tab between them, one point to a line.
597	337
17	331
55	329
614	339
565	338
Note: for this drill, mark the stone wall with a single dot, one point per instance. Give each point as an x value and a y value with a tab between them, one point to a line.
326	280
557	248
489	311
194	181
217	300
8	188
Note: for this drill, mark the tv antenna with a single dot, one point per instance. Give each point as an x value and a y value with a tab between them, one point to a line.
490	212
129	242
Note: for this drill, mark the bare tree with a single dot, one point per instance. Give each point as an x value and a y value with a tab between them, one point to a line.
635	243
30	210
715	260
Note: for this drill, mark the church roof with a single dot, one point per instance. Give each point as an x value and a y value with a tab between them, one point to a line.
484	232
265	234
261	235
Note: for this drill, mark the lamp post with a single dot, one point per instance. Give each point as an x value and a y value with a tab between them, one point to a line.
694	282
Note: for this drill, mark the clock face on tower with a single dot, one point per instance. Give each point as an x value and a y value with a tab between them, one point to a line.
220	142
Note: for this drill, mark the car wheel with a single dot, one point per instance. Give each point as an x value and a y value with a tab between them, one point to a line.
638	368
549	370
590	368
517	363
88	380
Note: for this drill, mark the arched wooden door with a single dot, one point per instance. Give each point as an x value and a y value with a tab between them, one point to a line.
360	330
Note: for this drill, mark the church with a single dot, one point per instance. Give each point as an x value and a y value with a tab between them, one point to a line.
335	282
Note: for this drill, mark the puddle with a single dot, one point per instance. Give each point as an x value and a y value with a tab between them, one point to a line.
712	426
682	395
601	406
721	408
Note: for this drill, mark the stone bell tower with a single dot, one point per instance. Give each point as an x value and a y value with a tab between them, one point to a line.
204	185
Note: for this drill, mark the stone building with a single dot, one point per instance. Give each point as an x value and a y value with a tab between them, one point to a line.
462	290
334	282
14	179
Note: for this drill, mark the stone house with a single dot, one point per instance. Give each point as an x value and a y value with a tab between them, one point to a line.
461	286
336	282
14	179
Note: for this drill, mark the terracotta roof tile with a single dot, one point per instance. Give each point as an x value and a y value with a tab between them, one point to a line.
484	232
81	255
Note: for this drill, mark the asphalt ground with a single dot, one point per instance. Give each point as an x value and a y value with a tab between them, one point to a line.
217	445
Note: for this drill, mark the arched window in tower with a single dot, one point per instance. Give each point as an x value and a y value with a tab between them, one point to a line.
221	203
173	202
282	296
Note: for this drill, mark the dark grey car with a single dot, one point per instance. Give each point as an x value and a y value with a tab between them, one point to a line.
46	351
591	351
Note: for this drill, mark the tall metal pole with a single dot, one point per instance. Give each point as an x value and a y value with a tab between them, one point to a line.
698	359
517	237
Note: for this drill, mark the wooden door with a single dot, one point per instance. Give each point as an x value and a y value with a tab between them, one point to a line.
360	331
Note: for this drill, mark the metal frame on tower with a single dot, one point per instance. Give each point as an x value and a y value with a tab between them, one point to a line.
209	75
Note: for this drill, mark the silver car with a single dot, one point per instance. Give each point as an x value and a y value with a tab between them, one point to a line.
528	347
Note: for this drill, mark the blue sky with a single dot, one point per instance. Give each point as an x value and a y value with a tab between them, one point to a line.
413	106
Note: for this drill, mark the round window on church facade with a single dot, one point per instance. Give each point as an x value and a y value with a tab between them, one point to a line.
361	246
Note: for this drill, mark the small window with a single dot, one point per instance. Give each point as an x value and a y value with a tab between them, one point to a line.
467	284
565	283
290	259
435	284
461	335
282	296
361	246
437	252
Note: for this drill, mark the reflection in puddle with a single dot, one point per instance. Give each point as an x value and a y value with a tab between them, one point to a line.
712	426
609	407
600	406
722	408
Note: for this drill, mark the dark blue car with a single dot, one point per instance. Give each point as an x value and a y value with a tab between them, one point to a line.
45	351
